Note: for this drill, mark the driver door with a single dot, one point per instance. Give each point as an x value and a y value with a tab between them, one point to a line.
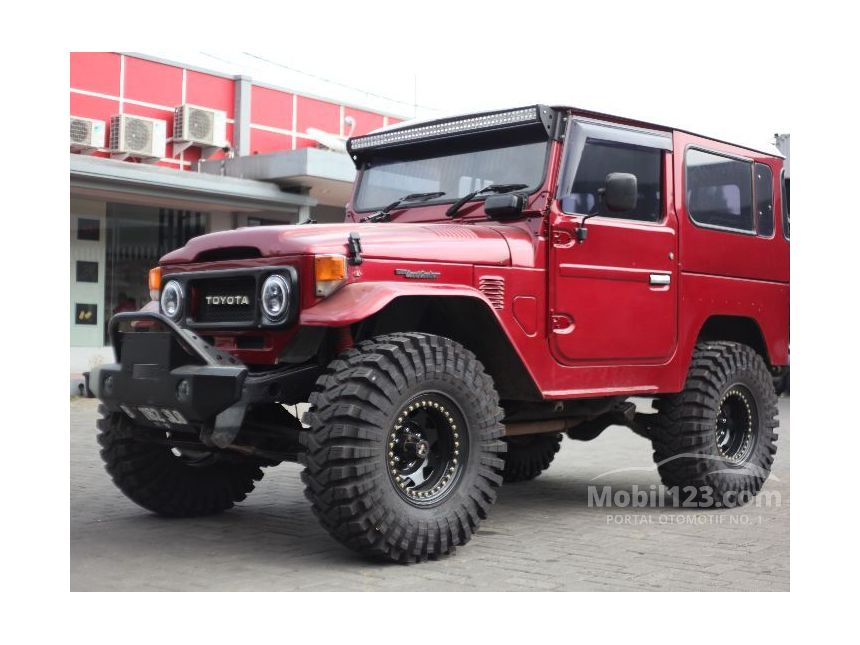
614	295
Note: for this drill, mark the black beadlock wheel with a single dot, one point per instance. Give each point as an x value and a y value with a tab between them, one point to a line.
530	455
175	485
402	456
716	440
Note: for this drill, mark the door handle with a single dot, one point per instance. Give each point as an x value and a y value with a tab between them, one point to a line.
660	279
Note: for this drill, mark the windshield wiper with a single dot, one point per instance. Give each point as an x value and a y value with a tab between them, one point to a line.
495	188
384	215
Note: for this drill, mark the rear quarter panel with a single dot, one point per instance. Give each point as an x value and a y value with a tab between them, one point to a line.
728	273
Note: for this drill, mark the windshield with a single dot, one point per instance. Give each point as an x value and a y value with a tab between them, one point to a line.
453	169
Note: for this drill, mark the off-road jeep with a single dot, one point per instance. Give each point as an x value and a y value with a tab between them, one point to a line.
501	279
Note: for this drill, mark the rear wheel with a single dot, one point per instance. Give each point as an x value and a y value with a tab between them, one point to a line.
714	443
528	456
402	456
165	481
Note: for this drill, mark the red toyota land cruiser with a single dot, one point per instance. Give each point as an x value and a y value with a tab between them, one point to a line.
500	279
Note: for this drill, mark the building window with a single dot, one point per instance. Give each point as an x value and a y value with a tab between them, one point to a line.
764	199
719	191
601	158
86	271
89	229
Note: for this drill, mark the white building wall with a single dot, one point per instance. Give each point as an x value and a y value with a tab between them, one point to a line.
87	335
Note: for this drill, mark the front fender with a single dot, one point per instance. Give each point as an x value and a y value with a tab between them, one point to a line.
357	301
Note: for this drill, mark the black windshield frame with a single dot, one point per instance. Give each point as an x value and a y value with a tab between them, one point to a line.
439	149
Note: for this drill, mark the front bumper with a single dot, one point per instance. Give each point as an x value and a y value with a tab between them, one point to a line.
170	377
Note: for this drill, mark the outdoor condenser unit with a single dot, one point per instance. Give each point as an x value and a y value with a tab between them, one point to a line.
86	135
198	126
137	136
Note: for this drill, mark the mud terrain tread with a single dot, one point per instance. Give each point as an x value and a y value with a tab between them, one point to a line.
350	410
153	477
525	461
685	421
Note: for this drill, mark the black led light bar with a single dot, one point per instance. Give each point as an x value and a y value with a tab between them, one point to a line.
536	114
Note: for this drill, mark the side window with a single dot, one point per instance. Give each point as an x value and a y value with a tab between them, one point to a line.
786	220
764	199
719	191
600	158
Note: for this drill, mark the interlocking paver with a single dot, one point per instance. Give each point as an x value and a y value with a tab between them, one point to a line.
540	535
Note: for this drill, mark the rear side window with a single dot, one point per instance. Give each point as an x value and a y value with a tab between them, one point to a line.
764	199
719	191
599	158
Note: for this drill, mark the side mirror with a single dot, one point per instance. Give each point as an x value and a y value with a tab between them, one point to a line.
506	206
620	191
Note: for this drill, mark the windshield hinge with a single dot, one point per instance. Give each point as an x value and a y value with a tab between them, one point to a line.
354	244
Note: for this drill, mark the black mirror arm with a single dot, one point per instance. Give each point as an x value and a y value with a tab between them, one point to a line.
582	230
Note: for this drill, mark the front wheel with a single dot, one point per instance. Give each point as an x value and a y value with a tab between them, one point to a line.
155	477
402	455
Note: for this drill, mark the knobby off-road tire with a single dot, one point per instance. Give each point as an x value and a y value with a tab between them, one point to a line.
375	411
528	456
718	435
152	476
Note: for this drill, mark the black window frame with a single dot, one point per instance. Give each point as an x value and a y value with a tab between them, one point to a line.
582	131
757	221
714	227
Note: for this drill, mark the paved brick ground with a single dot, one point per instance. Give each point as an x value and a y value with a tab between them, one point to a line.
541	535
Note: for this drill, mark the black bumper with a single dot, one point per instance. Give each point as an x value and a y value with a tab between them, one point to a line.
170	377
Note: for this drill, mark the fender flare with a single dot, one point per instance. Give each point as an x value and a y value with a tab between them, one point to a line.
358	301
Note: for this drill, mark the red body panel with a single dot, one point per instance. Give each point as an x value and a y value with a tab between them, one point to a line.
586	319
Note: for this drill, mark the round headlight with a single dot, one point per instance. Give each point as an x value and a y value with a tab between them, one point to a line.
275	297
171	299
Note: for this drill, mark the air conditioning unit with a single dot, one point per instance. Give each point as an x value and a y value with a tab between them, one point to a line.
137	136
86	135
198	126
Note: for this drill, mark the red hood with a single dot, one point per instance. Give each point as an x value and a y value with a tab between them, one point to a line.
470	244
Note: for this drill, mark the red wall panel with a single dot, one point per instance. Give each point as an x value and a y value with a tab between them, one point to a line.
210	91
161	84
302	142
95	72
93	107
271	107
152	82
311	113
263	141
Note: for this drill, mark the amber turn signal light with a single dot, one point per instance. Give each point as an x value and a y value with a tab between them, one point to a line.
329	273
154	282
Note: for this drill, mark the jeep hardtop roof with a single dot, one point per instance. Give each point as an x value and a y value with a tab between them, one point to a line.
770	150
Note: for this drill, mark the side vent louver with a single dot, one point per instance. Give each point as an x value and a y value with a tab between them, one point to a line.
494	288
